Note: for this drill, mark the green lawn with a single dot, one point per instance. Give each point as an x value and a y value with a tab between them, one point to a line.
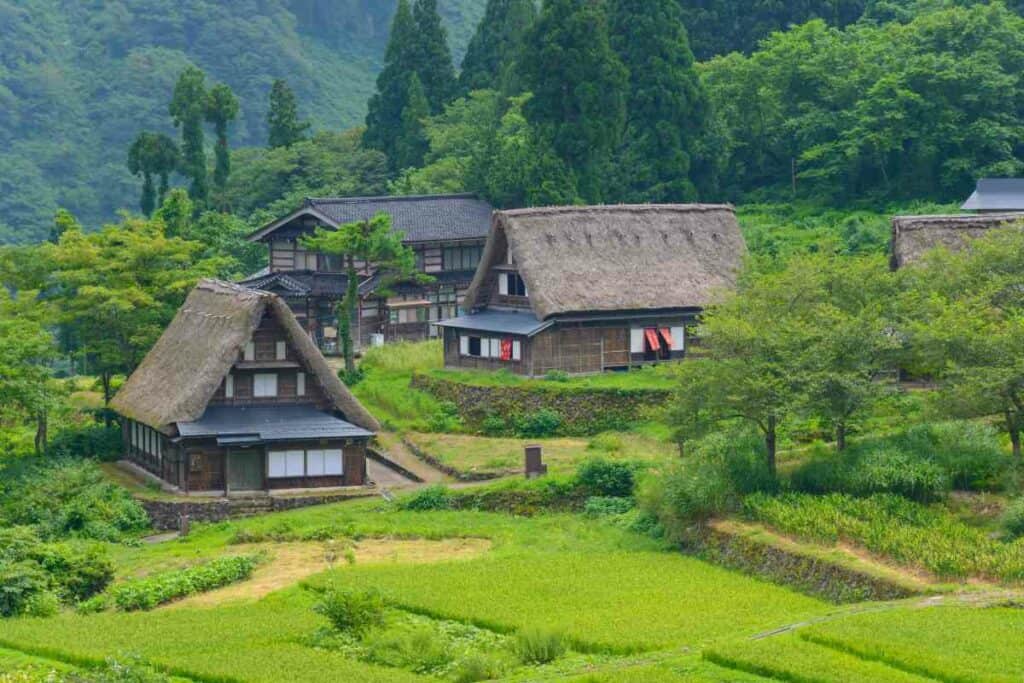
500	456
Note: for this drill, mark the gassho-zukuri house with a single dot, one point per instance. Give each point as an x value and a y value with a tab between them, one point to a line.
235	397
588	289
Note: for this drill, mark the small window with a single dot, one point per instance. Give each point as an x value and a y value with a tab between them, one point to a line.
250	351
300	384
281	350
495	348
475	344
333	462
264	385
296	463
517	350
315	463
229	386
277	464
330	263
514	285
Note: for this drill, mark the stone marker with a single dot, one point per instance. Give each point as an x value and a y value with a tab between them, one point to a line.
535	466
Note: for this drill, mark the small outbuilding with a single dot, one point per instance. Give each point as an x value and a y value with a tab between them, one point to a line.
236	397
587	289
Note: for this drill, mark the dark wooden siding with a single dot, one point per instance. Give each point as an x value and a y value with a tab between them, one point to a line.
453	357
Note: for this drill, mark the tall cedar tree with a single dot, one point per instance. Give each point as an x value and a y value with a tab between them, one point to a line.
152	154
188	108
412	145
221	109
433	57
579	88
283	117
494	46
667	107
384	111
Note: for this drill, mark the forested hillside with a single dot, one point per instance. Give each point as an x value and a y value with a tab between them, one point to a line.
78	80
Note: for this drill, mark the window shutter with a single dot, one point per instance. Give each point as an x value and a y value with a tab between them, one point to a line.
300	384
265	385
464	345
333	464
296	463
282	350
277	464
250	351
678	338
315	463
495	345
636	340
503	283
229	386
517	350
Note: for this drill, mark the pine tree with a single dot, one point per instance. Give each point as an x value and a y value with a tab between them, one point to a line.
283	116
187	108
433	57
221	109
152	154
384	115
412	144
494	46
579	88
667	106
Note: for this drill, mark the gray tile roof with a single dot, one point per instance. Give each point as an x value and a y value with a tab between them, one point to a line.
251	424
499	322
997	194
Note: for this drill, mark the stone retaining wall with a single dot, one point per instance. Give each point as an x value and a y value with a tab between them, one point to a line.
804	573
584	412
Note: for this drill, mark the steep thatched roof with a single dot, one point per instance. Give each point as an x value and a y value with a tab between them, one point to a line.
615	258
912	236
182	371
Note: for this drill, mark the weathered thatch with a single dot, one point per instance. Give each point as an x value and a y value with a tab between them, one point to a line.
912	236
615	258
179	375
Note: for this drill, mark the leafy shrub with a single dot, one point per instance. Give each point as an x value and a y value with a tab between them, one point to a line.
899	473
478	666
742	457
350	378
685	495
68	498
420	649
86	441
42	604
538	646
969	452
603	506
557	376
79	571
434	497
1013	519
494	425
539	424
20	585
445	418
158	589
600	477
352	611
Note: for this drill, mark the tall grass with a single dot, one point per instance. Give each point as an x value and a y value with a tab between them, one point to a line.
385	389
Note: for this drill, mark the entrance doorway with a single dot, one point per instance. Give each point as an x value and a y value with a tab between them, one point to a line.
245	470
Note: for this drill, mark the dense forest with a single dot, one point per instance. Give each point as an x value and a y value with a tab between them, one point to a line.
829	101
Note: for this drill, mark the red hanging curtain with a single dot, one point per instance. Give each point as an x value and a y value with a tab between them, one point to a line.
666	334
652	338
506	349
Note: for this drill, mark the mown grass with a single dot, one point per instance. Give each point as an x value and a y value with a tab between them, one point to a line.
501	456
946	643
914	535
790	658
606	602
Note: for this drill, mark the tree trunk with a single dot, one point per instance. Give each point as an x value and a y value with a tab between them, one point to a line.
841	437
41	435
345	315
770	445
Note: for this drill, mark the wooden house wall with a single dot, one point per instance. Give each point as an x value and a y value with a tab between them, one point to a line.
453	357
152	451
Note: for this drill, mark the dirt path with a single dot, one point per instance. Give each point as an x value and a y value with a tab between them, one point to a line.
291	562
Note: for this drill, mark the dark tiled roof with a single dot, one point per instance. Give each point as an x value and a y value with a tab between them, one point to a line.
421	218
498	321
269	423
997	194
307	283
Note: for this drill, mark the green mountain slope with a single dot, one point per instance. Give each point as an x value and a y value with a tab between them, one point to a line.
79	80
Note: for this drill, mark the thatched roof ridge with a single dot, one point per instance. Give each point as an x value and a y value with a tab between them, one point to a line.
912	236
577	259
179	375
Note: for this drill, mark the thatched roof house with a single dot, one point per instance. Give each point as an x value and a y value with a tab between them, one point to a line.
615	284
229	380
912	236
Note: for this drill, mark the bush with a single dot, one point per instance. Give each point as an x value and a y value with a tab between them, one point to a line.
42	604
557	376
79	571
434	497
86	441
899	473
603	506
539	424
352	611
158	589
21	584
445	418
420	650
742	457
969	452
686	495
494	425
538	646
1013	519
478	666
600	477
